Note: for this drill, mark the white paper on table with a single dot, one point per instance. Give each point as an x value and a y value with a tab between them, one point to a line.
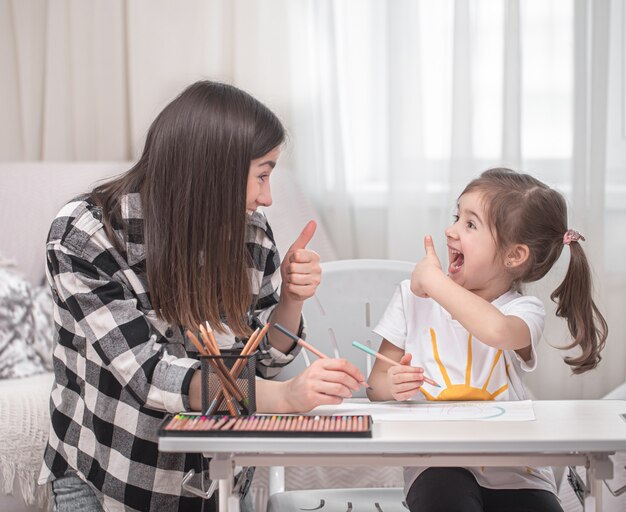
436	411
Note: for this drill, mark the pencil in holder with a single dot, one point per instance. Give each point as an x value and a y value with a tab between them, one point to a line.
228	383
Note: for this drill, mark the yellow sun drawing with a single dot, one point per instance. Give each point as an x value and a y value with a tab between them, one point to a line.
463	391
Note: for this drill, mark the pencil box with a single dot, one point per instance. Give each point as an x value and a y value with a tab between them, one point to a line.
265	425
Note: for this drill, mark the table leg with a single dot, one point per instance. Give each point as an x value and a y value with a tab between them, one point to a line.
221	467
600	468
228	502
593	500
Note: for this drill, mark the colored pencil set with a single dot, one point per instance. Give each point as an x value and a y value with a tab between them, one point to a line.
297	425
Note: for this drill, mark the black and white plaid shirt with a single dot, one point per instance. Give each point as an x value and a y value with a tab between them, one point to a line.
119	369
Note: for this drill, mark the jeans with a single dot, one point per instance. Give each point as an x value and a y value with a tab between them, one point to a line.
70	493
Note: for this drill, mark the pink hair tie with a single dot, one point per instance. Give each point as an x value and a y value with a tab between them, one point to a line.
571	235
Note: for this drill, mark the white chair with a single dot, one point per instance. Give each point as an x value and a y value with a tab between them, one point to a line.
349	302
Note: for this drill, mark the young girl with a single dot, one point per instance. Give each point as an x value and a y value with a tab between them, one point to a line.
175	241
472	331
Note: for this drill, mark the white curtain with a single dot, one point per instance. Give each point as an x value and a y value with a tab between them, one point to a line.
392	106
403	102
83	79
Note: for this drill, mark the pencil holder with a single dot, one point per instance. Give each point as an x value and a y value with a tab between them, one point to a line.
228	383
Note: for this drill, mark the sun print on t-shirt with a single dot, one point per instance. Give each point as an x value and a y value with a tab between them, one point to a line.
463	391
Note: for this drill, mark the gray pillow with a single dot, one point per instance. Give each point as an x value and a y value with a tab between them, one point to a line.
26	326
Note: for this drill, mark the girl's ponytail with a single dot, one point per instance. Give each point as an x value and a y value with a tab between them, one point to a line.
523	210
575	303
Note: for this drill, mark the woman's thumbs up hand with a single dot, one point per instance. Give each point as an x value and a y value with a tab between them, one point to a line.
300	269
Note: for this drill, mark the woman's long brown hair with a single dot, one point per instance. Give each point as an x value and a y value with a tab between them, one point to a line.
192	178
523	210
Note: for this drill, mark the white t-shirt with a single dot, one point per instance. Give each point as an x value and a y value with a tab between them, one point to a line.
466	368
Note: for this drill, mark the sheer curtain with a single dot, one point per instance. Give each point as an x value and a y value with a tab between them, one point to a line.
82	79
392	106
401	103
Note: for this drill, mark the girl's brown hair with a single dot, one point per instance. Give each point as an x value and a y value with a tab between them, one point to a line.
192	178
523	210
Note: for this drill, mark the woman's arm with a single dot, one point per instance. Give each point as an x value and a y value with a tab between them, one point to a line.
325	382
287	313
301	275
97	307
394	382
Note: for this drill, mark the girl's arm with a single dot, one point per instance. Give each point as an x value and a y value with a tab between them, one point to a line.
394	382
477	315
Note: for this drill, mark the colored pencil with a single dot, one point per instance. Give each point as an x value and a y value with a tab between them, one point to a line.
227	386
310	348
206	334
210	333
225	372
218	365
382	357
250	346
301	342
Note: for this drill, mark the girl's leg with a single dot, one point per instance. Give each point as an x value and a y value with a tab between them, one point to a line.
70	493
445	490
520	500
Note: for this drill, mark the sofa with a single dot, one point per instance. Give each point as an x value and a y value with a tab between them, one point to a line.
31	194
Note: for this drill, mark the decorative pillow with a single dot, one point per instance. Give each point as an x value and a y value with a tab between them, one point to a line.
26	326
43	324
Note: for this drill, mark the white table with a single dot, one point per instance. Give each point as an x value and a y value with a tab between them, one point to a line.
565	433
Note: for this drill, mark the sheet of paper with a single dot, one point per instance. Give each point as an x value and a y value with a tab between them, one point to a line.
436	411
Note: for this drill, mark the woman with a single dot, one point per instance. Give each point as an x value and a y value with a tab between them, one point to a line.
175	241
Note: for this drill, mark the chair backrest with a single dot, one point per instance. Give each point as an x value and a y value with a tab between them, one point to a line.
350	300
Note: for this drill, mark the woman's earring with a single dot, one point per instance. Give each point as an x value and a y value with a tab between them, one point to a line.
508	263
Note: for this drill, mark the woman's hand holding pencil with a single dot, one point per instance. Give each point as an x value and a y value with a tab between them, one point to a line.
313	350
327	381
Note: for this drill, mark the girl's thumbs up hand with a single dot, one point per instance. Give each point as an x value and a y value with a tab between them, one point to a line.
300	270
428	266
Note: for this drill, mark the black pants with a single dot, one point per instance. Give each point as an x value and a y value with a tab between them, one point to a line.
456	490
